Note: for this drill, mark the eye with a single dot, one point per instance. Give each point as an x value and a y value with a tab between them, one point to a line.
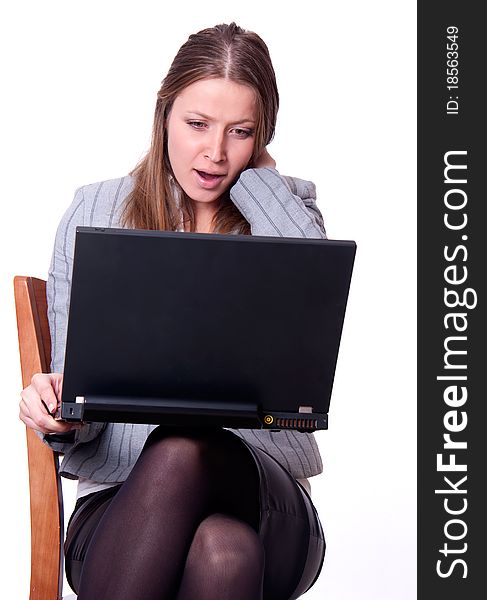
197	124
242	133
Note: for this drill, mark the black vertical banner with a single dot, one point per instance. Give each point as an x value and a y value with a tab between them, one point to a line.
452	268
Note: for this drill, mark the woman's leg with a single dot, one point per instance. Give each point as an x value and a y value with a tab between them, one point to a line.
226	560
146	544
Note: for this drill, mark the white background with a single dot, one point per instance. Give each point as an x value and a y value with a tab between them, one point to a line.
79	82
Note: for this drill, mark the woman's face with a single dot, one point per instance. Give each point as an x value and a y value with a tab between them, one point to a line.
210	140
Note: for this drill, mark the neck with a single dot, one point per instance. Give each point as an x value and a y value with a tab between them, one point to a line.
204	214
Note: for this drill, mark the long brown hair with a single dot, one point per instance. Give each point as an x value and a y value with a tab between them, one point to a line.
223	51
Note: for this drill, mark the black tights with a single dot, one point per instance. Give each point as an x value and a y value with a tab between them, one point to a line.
183	526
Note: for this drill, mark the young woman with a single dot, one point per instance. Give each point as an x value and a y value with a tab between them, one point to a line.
172	512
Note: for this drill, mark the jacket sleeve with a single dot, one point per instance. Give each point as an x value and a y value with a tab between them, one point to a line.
276	205
58	291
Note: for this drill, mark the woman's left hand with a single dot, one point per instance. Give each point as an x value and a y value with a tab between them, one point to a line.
264	160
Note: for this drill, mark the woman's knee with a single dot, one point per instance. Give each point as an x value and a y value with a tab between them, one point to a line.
227	547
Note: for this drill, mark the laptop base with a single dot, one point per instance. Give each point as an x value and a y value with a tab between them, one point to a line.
177	412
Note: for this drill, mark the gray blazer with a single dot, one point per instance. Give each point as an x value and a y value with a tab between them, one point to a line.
273	205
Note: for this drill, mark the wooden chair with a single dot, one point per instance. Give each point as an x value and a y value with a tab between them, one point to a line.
46	501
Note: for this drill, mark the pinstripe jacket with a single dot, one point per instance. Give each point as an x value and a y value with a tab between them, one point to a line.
273	205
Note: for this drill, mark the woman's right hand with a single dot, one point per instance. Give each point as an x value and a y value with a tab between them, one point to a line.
40	401
264	160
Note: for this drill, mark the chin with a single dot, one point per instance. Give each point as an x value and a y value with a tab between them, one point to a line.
200	196
203	199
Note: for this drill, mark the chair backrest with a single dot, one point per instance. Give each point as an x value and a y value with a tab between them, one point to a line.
46	504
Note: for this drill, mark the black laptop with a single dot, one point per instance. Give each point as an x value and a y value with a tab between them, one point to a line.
204	329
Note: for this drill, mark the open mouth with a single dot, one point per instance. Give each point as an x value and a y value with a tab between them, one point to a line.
208	181
208	176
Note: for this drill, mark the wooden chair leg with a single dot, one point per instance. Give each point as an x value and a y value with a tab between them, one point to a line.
46	505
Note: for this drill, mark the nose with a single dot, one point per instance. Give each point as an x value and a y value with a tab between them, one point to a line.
215	150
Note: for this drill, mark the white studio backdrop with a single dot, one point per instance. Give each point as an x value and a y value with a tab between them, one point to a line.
79	83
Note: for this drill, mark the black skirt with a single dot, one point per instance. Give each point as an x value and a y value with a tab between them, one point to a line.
289	529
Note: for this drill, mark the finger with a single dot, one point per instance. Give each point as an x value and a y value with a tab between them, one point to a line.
43	385
24	408
27	419
57	384
50	425
46	430
34	409
54	426
25	405
37	418
46	407
31	404
30	423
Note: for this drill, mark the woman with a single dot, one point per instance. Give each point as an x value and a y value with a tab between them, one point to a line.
172	512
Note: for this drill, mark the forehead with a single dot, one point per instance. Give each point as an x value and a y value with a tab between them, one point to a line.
219	99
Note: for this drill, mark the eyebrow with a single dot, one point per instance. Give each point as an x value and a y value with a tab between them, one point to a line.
199	114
